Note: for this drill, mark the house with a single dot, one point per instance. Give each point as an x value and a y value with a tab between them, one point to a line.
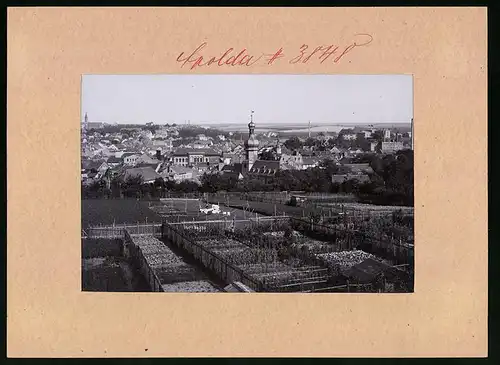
187	156
391	147
366	133
263	169
161	133
178	173
114	161
337	153
309	162
294	160
228	158
201	167
99	166
130	158
147	160
357	168
201	137
93	169
148	174
356	151
236	170
350	136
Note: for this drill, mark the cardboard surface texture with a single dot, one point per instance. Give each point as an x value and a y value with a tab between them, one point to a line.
48	316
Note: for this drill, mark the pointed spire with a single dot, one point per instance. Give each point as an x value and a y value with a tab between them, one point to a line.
251	125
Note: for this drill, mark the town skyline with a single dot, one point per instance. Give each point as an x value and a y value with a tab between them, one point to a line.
228	99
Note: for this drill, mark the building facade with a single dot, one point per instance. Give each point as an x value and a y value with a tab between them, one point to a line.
391	147
188	157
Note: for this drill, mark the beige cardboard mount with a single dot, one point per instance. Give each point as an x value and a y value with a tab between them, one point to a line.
48	316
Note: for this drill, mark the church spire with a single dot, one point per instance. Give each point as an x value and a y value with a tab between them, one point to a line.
251	125
85	122
251	144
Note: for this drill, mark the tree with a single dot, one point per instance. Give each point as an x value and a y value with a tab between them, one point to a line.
133	186
116	187
187	186
331	142
310	142
211	183
378	136
293	143
329	165
350	186
160	187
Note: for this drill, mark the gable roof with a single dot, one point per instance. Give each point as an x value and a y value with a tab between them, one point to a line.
359	167
310	160
196	151
92	164
179	169
127	154
147	173
264	167
114	159
235	167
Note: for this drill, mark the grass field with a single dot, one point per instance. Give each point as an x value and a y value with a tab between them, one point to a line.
265	208
94	248
111	274
108	211
192	208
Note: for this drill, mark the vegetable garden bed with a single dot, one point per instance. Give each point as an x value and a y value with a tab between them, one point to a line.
200	286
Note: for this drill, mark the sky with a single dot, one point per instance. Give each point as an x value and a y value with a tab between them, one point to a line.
219	99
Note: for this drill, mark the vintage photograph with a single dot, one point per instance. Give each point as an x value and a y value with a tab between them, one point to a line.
247	183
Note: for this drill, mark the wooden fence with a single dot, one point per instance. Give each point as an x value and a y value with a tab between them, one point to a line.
118	231
135	253
224	269
349	239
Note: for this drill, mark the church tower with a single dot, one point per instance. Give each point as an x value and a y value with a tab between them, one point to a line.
251	144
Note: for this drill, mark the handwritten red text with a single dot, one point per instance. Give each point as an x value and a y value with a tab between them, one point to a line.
242	57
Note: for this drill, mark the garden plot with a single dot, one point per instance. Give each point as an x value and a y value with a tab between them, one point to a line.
293	277
156	253
363	207
246	255
200	286
281	234
314	246
342	261
222	243
300	242
178	273
260	268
